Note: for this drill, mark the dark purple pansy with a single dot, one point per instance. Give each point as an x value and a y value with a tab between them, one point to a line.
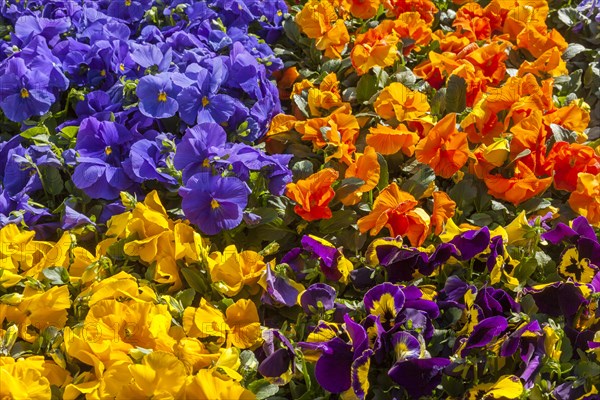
213	202
278	355
472	243
342	365
405	346
400	263
484	332
529	340
494	302
279	290
328	255
559	298
385	300
419	376
317	296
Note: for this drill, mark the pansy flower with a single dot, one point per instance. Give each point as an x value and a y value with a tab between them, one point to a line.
344	366
313	194
333	264
444	149
398	101
157	96
319	21
214	203
585	200
387	140
24	92
419	376
102	148
378	47
397	211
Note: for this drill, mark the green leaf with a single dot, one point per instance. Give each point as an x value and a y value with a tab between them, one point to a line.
186	297
302	169
263	389
418	183
196	279
572	51
51	180
302	105
456	94
481	219
348	186
340	220
56	275
384	174
366	88
35	131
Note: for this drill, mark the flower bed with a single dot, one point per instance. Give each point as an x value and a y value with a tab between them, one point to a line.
236	199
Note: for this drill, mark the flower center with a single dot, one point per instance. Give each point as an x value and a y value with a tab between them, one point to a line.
24	93
162	96
122	67
108	150
103	73
205	101
127	3
206	163
214	204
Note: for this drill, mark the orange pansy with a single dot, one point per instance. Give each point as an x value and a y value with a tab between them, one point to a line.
443	209
313	194
425	8
569	160
548	64
398	101
367	168
472	22
387	140
326	97
444	149
363	9
319	20
521	186
410	25
378	47
397	211
585	200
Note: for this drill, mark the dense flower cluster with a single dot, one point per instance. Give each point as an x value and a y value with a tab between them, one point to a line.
353	199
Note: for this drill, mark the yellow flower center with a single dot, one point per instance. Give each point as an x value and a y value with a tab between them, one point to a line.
205	101
162	96
24	93
214	204
127	3
279	13
206	163
107	150
103	73
122	67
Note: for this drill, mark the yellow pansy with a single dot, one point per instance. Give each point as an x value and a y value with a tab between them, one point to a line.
23	379
207	386
39	310
242	318
205	321
507	387
194	354
160	375
231	270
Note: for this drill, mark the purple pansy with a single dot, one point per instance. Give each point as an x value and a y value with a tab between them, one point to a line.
102	147
213	202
